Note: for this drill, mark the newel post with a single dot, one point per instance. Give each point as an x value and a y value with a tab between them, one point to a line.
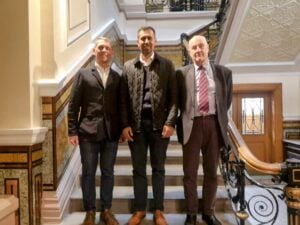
292	191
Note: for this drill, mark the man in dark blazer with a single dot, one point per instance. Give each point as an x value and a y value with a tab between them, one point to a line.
93	118
202	128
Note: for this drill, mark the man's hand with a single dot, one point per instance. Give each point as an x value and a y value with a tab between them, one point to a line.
167	131
74	140
121	139
127	134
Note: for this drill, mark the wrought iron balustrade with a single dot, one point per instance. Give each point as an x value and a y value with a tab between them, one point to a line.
268	204
181	5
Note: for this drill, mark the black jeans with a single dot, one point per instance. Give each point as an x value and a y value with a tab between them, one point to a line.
89	158
153	140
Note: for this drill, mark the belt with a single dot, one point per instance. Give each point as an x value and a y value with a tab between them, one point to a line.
207	116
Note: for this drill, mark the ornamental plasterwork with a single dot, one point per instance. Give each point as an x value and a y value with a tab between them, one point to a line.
270	32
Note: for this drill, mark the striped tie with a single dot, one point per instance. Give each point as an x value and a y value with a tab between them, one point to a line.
203	91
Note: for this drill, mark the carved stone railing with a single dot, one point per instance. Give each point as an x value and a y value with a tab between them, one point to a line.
261	206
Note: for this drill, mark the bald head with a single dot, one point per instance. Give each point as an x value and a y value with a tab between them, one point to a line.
198	49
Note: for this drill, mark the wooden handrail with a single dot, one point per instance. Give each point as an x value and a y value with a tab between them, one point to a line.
247	156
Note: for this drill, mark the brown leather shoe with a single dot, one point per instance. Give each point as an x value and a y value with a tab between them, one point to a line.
137	218
158	218
89	218
108	218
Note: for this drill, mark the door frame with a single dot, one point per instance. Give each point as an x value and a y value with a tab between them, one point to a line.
275	92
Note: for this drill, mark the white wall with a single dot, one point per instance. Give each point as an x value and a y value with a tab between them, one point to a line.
103	13
168	31
290	89
64	58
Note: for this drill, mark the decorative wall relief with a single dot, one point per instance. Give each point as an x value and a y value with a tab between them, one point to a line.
78	19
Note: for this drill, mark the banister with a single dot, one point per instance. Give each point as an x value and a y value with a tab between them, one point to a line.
247	156
235	174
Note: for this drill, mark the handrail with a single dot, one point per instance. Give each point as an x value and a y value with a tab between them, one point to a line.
202	30
185	38
247	156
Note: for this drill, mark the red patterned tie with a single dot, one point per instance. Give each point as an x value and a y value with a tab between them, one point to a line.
203	91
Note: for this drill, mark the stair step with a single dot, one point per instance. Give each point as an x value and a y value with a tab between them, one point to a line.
174	201
173	175
76	218
174	155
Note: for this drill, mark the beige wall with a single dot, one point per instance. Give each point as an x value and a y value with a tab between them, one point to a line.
14	59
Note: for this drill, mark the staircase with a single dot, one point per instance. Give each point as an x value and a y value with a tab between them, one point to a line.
174	196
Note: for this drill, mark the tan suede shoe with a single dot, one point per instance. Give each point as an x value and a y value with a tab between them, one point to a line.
108	218
158	218
137	218
89	218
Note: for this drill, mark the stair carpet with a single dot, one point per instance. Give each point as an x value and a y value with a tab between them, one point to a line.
174	202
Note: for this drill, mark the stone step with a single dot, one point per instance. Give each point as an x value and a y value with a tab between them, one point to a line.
174	201
174	155
76	218
173	175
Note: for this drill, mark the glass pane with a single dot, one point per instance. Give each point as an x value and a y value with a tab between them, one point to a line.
253	116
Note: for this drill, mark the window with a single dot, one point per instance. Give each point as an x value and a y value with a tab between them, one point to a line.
253	116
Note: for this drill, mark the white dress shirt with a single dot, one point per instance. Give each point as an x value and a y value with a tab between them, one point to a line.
149	61
211	90
103	73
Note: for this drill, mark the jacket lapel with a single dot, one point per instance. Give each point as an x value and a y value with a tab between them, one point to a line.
218	86
97	75
190	81
109	78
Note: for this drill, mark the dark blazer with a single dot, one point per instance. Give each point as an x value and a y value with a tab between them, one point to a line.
186	89
93	112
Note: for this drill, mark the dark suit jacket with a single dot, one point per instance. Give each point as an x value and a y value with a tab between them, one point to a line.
186	89
93	112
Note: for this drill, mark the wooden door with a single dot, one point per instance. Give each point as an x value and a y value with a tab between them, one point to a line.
261	125
252	115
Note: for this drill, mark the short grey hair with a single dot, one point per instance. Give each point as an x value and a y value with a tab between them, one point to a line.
103	39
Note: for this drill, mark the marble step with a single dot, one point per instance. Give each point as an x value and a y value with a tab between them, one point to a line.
76	218
173	175
174	201
174	155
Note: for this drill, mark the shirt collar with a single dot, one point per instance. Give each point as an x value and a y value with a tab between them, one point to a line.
149	61
100	68
205	66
